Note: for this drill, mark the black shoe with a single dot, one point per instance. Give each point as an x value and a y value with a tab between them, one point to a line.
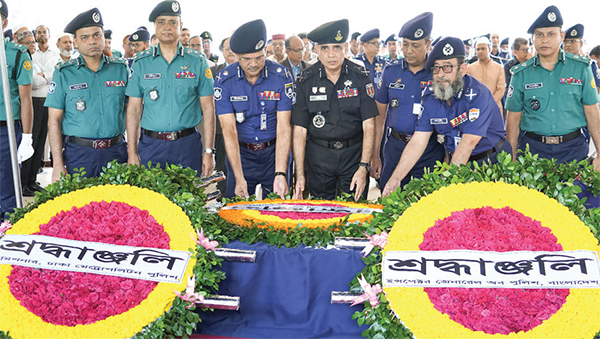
27	192
36	187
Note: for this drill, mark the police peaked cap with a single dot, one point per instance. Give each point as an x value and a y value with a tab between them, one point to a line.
166	8
370	35
140	35
504	41
250	37
550	18
446	48
3	8
418	27
91	18
206	35
355	35
108	34
390	38
334	32
575	32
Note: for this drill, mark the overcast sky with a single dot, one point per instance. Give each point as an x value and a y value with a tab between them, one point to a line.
463	19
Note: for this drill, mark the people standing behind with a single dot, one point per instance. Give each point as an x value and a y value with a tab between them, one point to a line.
489	73
294	49
457	106
44	51
278	48
184	37
108	45
196	43
552	98
173	87
391	44
20	76
228	55
65	52
373	62
206	47
128	51
140	40
333	119
309	56
573	43
496	51
154	40
86	102
254	100
398	97
354	42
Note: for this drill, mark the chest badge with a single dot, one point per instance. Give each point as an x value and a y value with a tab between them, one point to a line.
348	83
80	105
319	120
535	104
394	103
153	94
240	117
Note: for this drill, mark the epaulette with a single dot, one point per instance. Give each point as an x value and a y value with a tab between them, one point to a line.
20	47
144	54
226	73
278	69
579	58
426	91
117	60
308	73
519	67
191	51
358	69
393	63
66	63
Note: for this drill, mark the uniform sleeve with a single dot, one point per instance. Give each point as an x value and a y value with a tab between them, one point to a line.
56	91
368	107
485	106
286	97
222	103
589	91
514	94
207	83
381	88
25	72
596	73
134	88
424	122
300	115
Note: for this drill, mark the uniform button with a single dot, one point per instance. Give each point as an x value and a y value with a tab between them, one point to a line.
412	96
551	93
552	110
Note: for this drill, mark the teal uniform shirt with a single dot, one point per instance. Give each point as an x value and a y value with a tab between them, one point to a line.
170	91
552	101
93	102
24	77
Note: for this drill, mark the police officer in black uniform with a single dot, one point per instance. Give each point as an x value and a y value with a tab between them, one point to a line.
336	110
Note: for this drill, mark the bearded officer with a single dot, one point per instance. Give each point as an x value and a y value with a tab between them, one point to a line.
457	106
398	96
336	111
552	98
254	101
86	103
173	85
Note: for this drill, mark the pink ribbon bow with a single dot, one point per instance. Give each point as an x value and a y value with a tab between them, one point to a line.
369	292
204	241
5	226
190	295
375	240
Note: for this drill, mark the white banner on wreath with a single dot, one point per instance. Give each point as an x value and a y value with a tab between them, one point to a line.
483	269
44	252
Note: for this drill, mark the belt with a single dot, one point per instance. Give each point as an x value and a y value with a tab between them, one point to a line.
400	136
554	140
257	146
97	144
170	136
487	153
3	123
338	144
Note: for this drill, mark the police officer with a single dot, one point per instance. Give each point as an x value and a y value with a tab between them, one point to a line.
86	103
335	110
391	43
398	96
20	77
206	44
373	62
254	101
140	40
108	51
573	43
457	106
552	98
173	85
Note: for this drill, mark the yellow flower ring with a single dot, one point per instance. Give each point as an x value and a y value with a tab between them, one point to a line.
23	324
284	220
577	318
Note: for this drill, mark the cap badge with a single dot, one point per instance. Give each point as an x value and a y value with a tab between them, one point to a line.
552	16
135	37
338	36
418	33
96	17
448	50
175	6
573	33
259	44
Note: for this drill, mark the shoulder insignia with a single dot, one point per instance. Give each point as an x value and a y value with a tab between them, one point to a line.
226	73
519	67
579	58
189	51
359	69
307	73
118	60
143	54
66	63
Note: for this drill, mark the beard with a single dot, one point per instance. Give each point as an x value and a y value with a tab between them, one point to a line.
42	40
66	53
443	92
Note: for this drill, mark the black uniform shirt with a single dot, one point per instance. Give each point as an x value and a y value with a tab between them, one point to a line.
343	105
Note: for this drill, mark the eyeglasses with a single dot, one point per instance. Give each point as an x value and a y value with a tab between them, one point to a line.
447	68
524	50
298	50
374	43
278	44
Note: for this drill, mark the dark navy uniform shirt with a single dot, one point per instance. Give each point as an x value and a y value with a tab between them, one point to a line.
376	68
471	111
401	89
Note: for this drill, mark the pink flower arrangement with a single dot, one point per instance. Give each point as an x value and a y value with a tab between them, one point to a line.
370	292
204	241
490	310
375	240
72	298
5	226
306	215
190	295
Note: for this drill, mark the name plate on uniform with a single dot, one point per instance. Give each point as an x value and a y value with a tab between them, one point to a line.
482	269
318	97
438	121
43	252
238	98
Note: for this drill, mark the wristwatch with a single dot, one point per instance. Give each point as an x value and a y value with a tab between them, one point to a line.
283	174
366	165
212	151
